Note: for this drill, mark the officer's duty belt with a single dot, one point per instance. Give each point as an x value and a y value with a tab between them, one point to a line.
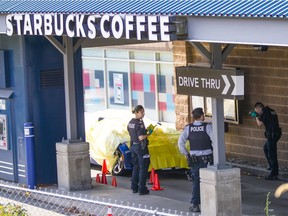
205	158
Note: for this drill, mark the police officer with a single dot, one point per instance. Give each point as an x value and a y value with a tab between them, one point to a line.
199	135
268	117
139	151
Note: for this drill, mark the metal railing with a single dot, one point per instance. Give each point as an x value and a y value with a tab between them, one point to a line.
44	202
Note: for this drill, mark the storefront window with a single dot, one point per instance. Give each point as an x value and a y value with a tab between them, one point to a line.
121	79
142	55
93	52
166	92
231	109
116	53
143	87
164	56
94	85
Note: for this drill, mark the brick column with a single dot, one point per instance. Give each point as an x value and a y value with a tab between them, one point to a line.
182	55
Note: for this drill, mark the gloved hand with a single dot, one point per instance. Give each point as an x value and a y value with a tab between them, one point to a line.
253	114
150	128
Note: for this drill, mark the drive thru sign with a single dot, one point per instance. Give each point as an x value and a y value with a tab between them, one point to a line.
217	83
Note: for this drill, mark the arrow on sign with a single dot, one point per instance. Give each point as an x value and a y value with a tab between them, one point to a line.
227	84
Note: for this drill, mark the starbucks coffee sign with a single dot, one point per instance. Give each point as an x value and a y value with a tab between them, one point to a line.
154	28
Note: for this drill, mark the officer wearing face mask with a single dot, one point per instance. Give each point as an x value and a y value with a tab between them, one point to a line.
199	135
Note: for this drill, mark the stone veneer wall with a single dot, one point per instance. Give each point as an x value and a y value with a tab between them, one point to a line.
182	55
266	80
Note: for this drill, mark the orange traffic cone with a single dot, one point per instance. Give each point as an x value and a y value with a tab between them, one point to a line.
104	179
98	178
104	167
109	212
114	183
156	185
152	174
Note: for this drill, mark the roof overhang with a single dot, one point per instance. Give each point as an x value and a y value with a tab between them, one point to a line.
255	31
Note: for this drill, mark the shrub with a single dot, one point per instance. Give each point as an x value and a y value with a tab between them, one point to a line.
12	210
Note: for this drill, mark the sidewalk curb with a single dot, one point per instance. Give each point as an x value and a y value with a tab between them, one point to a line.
258	171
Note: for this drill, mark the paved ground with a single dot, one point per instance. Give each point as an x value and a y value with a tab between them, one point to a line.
176	199
254	190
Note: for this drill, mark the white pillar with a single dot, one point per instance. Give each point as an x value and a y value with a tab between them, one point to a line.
220	192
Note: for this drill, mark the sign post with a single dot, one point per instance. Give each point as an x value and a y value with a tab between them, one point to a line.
219	84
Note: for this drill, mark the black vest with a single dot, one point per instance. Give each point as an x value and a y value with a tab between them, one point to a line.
270	119
198	137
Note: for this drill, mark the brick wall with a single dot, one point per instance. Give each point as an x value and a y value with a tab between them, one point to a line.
182	55
266	80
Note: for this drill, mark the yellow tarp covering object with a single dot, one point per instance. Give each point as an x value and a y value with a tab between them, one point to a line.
105	136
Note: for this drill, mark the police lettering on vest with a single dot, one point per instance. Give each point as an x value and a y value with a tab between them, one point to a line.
198	128
131	125
198	137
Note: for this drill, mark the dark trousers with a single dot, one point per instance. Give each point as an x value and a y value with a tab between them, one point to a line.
196	181
141	164
270	150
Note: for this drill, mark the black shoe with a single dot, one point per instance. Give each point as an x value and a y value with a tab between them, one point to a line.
194	208
271	177
144	192
134	191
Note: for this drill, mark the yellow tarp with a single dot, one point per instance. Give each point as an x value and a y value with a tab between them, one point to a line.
104	137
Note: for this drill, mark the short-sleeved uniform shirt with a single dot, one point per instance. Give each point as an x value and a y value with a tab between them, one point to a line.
136	128
270	119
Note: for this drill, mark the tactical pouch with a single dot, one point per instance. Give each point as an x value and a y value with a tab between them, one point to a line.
192	159
144	144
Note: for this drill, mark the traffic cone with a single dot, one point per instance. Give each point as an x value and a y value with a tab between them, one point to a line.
98	178
156	185
114	183
104	168
152	174
109	212
104	179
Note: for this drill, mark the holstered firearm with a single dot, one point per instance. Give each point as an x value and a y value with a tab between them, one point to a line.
144	144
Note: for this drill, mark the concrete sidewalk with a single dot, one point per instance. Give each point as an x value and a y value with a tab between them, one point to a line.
254	189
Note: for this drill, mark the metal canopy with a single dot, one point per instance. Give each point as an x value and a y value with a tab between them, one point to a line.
202	8
219	21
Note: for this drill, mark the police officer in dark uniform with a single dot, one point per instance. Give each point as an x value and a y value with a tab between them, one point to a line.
268	117
199	135
139	151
